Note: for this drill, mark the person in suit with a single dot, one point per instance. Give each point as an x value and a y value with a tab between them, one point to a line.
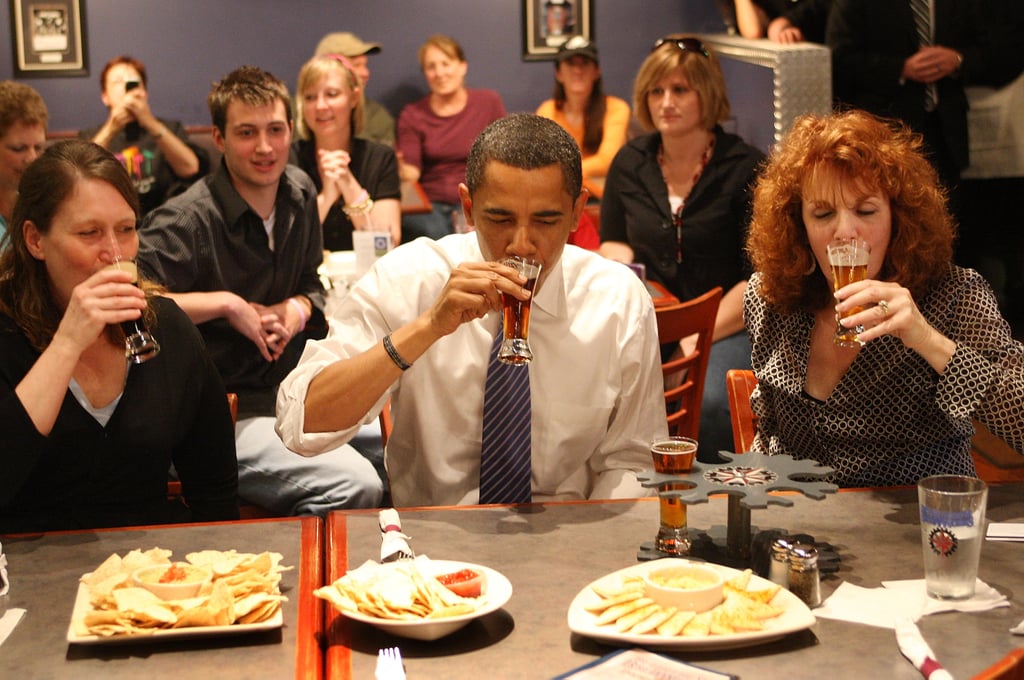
881	65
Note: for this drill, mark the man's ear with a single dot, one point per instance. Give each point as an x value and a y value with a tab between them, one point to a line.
218	139
466	204
33	240
578	206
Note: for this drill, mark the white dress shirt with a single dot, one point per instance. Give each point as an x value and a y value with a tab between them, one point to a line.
595	380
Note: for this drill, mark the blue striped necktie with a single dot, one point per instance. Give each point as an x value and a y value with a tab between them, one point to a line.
923	24
505	452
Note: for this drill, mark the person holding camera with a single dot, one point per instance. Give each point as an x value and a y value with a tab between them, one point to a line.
157	153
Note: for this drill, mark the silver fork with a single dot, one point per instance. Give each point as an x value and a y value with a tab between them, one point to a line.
389	664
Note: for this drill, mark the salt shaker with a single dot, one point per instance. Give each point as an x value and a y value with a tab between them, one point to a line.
804	578
778	565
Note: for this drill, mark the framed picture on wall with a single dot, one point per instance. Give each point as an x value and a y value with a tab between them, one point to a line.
48	38
549	23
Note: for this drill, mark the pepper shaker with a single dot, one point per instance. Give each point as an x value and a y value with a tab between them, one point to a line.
804	578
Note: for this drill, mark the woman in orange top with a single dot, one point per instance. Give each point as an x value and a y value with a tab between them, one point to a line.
598	122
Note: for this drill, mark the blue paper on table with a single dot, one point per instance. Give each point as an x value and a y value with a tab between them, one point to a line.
640	664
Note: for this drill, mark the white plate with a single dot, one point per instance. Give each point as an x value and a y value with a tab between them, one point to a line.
796	615
497	591
82	607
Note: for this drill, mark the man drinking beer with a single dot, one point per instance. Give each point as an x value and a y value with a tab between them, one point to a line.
419	329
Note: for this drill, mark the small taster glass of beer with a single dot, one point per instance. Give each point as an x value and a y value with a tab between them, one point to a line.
848	259
674	456
515	345
139	344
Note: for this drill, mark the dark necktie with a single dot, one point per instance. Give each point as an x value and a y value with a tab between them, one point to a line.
505	452
923	24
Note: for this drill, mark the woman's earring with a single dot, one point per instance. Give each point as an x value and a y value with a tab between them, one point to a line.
814	265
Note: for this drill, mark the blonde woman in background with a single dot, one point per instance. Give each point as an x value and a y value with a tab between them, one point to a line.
356	179
678	200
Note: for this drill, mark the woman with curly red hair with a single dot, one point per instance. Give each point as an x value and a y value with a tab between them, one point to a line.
934	352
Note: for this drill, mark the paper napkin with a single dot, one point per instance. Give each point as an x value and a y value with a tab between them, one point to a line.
913	646
884	606
8	622
1005	531
5	583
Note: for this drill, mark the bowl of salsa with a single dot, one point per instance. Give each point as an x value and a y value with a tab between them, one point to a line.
174	581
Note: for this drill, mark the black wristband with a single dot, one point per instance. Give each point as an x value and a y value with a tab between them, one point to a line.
395	356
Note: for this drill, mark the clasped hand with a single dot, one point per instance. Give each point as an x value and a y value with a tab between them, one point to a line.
270	328
930	64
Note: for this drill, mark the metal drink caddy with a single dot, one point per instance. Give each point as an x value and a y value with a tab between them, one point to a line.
747	479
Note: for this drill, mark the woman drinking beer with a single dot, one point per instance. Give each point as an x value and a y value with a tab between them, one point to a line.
934	351
89	437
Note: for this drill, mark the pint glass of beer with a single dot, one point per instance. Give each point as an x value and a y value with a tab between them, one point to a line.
848	259
673	455
515	344
139	344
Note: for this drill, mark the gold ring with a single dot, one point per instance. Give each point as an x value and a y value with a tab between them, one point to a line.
884	306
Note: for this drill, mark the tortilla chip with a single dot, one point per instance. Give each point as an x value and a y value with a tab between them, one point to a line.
618	611
626	622
675	623
657	618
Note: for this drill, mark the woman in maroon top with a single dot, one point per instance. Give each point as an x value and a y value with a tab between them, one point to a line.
435	133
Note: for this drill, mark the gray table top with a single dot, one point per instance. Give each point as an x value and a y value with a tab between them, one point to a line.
44	572
550	552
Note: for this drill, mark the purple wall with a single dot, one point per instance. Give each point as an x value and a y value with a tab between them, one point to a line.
186	44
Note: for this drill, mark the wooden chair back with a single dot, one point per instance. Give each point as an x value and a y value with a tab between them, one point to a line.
684	375
739	385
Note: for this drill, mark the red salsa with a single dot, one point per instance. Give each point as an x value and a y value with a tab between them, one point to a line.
464	582
174	574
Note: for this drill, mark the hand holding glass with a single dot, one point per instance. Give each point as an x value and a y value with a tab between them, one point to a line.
952	530
515	345
848	259
673	455
139	344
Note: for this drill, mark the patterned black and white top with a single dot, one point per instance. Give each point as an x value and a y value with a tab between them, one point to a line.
892	419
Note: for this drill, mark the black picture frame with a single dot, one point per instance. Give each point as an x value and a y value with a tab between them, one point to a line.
549	23
48	38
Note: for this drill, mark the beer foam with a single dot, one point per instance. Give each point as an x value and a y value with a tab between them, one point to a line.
847	256
125	266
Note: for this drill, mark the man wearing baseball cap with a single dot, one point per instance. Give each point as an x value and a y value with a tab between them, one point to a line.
378	124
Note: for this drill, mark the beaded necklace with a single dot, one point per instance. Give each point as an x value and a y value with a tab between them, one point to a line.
677	216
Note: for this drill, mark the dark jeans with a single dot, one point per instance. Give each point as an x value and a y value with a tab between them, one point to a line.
434	224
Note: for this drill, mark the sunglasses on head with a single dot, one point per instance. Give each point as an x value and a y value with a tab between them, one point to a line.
684	44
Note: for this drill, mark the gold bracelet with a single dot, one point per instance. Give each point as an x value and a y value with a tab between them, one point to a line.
361	208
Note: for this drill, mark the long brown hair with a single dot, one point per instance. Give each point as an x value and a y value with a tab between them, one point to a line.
873	153
25	293
593	113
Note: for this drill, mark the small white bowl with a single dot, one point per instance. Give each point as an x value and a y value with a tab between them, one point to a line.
688	587
184	588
